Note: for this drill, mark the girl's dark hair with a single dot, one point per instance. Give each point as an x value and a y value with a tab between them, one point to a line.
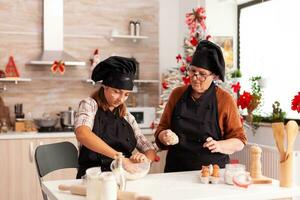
102	102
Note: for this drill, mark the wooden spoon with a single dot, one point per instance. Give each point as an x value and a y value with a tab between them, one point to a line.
291	131
278	132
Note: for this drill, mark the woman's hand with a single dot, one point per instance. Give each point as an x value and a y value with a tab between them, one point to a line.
213	145
138	157
168	137
129	166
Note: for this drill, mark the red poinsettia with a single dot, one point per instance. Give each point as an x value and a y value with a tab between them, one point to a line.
296	103
244	100
236	87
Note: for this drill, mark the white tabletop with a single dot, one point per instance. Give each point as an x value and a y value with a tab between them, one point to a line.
183	186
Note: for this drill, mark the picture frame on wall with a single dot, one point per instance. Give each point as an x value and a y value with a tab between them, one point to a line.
226	44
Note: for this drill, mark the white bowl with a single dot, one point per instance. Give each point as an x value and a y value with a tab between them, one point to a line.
137	170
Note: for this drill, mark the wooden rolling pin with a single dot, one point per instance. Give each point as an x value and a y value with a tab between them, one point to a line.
80	189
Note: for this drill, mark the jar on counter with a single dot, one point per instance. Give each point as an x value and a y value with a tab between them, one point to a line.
4	127
232	170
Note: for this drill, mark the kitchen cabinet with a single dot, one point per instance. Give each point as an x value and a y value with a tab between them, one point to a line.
19	178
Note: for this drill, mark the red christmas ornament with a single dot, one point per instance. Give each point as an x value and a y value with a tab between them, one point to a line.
183	68
11	68
188	59
194	41
178	58
165	85
186	80
58	66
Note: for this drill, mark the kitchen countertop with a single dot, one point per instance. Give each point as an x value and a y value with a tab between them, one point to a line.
183	186
34	135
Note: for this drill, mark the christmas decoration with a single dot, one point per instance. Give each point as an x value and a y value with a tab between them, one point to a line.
58	66
11	69
94	60
178	76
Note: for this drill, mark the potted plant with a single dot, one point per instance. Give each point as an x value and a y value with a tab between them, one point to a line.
277	114
236	73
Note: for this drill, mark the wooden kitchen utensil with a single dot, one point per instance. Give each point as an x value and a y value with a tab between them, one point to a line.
291	131
278	133
255	166
286	165
80	189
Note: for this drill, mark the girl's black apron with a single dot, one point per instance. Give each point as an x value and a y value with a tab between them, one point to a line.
193	122
113	130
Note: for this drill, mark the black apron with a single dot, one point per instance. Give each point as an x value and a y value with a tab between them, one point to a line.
193	122
114	131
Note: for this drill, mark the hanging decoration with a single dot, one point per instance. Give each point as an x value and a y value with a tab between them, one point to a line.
58	66
94	60
11	69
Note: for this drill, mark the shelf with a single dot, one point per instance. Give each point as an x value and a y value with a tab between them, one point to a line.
130	37
15	79
135	81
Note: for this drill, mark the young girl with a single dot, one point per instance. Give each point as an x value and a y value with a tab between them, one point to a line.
103	126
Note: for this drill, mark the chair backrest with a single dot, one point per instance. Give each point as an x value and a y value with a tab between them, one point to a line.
51	157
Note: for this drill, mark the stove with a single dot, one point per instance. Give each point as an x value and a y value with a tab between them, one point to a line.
55	129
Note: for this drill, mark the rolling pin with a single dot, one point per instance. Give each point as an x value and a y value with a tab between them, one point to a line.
80	189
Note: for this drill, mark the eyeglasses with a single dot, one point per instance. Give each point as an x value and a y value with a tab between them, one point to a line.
200	76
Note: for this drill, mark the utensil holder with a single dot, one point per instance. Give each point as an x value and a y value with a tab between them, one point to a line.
286	172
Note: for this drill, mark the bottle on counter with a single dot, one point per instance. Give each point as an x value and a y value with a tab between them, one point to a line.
4	128
117	169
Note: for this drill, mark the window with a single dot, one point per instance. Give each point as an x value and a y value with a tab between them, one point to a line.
269	46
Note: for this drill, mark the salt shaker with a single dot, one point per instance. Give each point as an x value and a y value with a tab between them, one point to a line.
131	28
137	28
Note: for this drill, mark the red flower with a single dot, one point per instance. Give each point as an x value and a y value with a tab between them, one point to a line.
183	68
178	58
188	59
186	80
244	100
165	85
296	103
194	41
236	87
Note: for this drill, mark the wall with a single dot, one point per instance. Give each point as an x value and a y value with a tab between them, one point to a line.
87	25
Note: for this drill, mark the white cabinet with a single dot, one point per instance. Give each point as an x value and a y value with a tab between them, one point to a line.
19	178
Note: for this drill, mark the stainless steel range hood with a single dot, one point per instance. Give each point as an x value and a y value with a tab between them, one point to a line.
53	36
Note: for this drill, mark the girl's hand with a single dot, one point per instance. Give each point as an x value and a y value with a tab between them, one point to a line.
138	157
129	166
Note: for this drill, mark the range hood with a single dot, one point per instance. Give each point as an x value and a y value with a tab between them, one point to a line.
53	36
